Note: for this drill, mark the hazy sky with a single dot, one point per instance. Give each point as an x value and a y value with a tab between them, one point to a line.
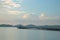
38	12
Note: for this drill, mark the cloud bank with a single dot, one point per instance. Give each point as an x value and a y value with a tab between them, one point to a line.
8	15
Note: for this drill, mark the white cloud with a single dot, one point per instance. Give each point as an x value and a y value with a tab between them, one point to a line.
25	16
42	16
10	4
53	18
16	12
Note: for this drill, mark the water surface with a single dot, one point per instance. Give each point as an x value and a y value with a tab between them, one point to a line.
12	33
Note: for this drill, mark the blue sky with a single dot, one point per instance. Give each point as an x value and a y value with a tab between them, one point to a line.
50	7
37	12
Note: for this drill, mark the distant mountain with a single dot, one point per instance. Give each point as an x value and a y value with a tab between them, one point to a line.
30	25
46	27
5	25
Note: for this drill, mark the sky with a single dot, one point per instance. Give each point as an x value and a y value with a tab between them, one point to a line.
37	12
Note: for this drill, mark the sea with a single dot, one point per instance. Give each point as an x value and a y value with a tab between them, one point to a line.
13	33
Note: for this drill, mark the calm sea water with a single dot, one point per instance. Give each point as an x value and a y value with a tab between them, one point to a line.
11	33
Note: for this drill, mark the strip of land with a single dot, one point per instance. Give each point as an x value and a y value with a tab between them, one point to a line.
45	27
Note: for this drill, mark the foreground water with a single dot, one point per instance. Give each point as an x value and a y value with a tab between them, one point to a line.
11	33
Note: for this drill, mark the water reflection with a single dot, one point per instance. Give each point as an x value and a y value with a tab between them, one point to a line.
22	34
8	33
